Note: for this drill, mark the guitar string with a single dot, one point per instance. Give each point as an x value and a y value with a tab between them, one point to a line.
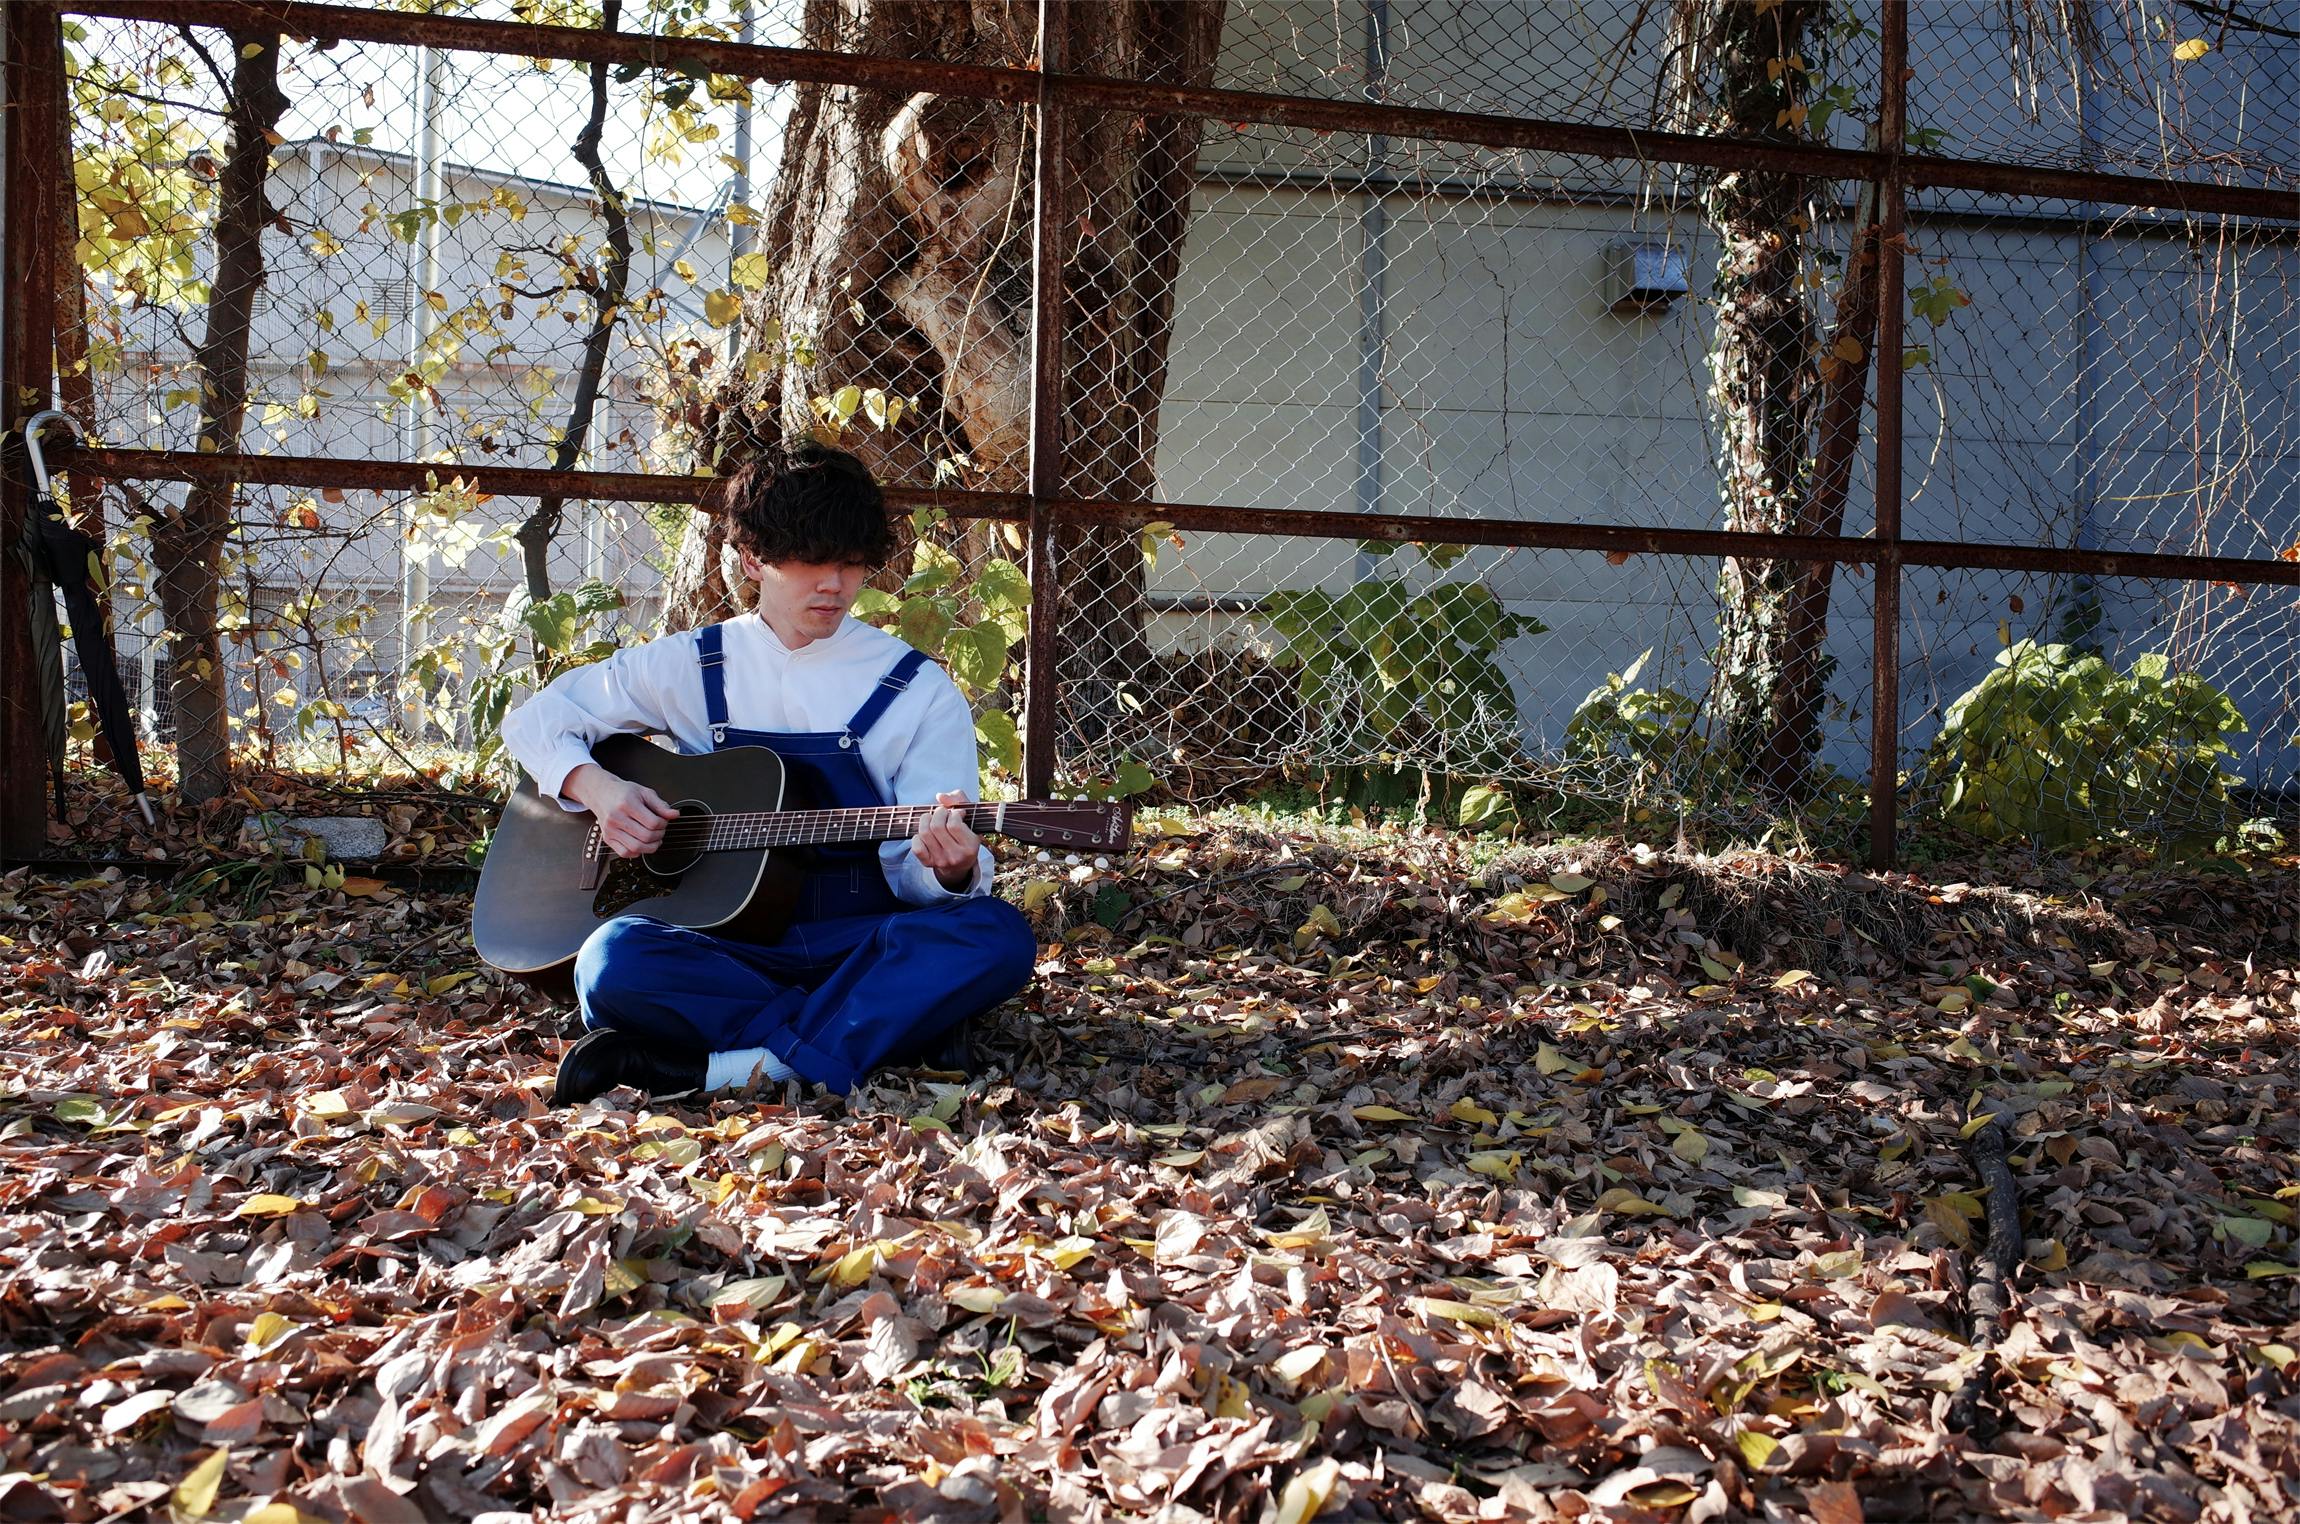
771	828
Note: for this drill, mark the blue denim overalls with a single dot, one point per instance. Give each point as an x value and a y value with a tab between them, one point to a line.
860	977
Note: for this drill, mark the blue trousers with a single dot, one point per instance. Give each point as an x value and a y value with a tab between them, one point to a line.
834	999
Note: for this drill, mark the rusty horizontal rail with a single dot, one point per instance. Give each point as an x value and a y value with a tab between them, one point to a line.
1021	86
323	472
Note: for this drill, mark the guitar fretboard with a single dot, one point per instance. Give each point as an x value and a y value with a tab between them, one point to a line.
749	830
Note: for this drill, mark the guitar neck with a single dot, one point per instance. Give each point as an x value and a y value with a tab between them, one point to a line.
748	830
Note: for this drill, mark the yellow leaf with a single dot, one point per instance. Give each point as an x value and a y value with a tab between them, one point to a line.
1231	1399
1310	1232
196	1493
278	1513
1848	349
268	1329
721	308
1380	1114
268	1205
1501	1164
1066	1252
328	1103
1181	1158
1757	1448
1943	1213
1467	1110
1037	893
1764	1312
1977	1123
1549	1061
1570	883
1955	1000
1623	1199
1458	1312
2191	50
1792	978
446	982
2267	1269
625	1276
979	1299
749	271
2053	1257
1308	1492
1690	1146
854	1267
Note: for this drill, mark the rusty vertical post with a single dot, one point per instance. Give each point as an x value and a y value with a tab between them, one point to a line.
1885	659
1049	185
35	200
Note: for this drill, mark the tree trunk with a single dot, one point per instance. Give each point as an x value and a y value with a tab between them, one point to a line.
898	238
1788	409
187	545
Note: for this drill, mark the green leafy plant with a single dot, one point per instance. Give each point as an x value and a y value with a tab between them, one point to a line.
1405	663
566	630
969	620
1643	732
2058	746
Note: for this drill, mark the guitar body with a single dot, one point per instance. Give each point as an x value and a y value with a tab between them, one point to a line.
537	899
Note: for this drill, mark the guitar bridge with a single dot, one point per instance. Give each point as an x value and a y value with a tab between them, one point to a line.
594	869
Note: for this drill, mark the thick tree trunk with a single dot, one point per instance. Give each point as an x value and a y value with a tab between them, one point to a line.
898	239
187	545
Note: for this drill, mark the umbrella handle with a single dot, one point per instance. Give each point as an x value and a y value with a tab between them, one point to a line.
32	427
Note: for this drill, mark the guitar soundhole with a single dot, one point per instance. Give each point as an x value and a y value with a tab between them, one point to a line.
628	885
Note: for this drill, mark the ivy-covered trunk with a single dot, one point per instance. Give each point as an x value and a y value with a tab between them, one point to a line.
896	266
1787	398
188	543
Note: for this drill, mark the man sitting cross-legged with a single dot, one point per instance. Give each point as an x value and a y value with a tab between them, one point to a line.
893	946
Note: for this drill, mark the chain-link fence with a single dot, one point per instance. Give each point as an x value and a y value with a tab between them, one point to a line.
1469	406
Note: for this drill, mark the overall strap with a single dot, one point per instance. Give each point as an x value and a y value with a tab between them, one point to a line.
711	653
897	678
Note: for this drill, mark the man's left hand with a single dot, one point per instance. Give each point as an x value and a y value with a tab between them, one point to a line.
946	843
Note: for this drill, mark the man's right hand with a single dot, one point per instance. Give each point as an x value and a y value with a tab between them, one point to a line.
631	815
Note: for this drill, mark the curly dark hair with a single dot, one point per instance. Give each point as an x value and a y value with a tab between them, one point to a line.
810	503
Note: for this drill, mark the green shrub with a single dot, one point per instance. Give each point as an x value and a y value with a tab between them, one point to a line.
2057	746
1405	665
1639	734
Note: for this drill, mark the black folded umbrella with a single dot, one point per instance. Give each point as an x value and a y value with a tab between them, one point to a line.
69	560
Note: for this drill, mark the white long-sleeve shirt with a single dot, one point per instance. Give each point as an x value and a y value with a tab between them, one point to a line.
922	744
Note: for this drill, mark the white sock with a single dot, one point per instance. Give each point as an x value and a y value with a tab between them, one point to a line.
736	1068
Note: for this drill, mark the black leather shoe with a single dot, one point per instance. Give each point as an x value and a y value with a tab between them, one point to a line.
953	1051
602	1060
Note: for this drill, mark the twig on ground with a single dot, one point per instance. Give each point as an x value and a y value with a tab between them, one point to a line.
1989	1299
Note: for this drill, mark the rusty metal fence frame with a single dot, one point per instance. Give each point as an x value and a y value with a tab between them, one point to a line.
37	206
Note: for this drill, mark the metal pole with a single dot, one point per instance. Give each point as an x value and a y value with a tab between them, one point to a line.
423	324
1373	281
1210	518
34	203
1049	185
1885	661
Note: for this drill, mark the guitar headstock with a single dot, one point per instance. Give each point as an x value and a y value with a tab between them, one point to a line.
1070	825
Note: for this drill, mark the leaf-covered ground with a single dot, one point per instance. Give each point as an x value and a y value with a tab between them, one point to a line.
1314	1176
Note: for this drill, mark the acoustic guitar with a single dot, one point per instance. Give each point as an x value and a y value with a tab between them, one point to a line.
731	864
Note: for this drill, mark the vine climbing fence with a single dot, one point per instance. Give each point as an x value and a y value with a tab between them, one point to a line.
1553	409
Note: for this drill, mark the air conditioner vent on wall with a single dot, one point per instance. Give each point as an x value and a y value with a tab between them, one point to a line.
1644	278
